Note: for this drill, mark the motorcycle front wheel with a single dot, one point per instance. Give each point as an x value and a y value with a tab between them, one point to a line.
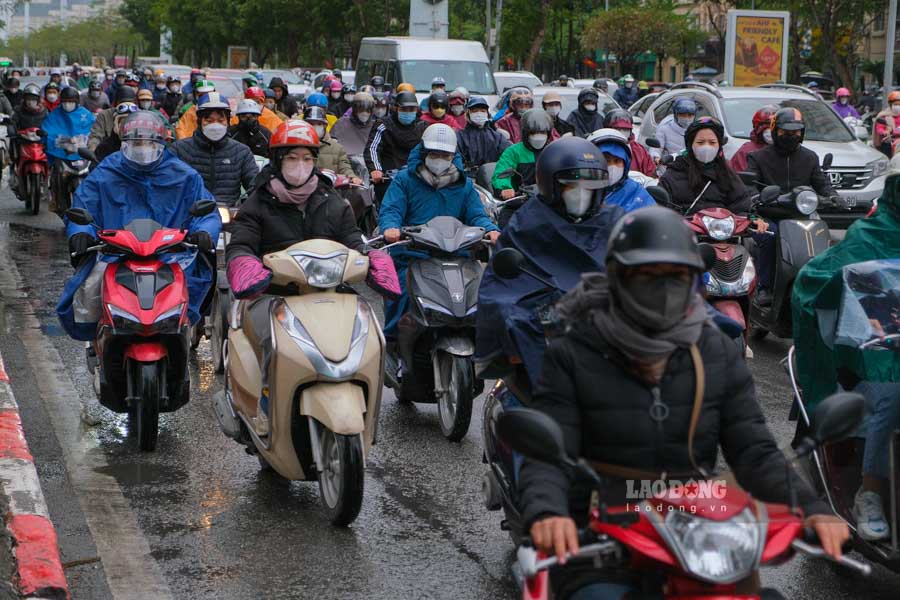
143	415
341	481
34	191
218	329
456	396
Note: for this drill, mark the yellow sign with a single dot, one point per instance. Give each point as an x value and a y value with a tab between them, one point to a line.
758	50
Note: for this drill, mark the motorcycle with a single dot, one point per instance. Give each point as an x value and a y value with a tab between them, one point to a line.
360	199
436	336
139	357
688	542
4	142
325	374
215	325
31	176
66	175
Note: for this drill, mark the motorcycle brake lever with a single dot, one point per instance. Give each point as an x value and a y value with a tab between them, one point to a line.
88	250
864	569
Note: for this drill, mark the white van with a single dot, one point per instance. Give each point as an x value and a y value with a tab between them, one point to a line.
418	60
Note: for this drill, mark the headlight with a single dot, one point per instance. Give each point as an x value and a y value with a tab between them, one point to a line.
322	271
719	229
122	319
716	551
169	320
224	214
879	166
807	202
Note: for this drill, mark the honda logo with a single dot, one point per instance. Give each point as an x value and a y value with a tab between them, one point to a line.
836	178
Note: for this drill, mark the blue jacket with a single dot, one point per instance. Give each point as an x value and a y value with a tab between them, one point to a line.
625	96
62	123
627	193
116	193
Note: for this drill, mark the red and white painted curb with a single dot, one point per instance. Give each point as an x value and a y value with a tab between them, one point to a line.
40	571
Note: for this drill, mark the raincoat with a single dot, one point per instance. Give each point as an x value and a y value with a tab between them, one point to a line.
115	193
76	124
819	295
627	193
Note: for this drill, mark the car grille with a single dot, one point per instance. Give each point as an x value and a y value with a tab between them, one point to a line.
849	178
729	270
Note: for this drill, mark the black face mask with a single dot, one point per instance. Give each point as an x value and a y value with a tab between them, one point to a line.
787	143
657	304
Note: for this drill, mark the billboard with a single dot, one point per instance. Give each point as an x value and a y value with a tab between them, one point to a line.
756	47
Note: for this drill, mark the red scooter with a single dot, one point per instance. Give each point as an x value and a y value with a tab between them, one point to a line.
732	279
701	540
32	172
140	355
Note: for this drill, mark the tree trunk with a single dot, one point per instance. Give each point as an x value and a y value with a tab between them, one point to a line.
535	48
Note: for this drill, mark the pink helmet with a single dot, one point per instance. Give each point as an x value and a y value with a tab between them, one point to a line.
336	86
842	92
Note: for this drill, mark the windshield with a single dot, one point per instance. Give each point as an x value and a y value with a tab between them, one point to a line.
822	124
287	77
474	76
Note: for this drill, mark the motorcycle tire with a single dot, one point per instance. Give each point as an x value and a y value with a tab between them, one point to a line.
341	483
455	402
143	416
197	333
218	329
35	192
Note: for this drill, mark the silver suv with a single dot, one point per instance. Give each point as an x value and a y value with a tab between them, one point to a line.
857	171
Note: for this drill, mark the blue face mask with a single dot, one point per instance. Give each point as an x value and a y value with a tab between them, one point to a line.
406	117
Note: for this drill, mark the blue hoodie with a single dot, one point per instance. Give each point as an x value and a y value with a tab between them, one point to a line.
627	193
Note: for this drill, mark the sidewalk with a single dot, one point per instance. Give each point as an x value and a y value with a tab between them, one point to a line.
30	566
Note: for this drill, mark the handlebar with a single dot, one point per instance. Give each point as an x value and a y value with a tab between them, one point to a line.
864	569
603	548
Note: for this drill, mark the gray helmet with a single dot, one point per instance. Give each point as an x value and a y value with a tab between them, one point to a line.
536	120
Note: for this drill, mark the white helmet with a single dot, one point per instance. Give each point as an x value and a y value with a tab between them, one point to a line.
248	106
440	138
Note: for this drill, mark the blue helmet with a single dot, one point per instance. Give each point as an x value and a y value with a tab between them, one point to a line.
684	106
569	159
476	101
317	99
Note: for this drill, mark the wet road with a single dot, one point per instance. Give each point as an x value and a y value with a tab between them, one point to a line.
198	519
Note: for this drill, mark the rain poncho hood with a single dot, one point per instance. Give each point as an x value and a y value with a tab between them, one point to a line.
116	193
67	124
826	334
626	192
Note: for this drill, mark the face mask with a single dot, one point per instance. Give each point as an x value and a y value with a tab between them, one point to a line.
160	86
363	117
553	111
145	154
380	112
787	143
438	113
120	80
297	173
270	104
626	133
336	95
69	106
438	166
94	94
478	118
657	303
406	118
215	131
175	89
52	97
457	109
844	101
684	122
615	174
628	84
705	154
767	136
521	112
895	109
537	141
13	90
590	107
349	97
577	200
145	104
320	131
31	103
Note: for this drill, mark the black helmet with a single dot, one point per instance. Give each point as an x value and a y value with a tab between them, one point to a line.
439	100
788	119
587	95
125	93
705	123
69	93
377	81
653	235
617	118
12	82
349	88
601	84
535	120
95	85
568	158
31	90
406	99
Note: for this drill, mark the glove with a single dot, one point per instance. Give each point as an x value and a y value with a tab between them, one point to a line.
247	276
78	244
202	240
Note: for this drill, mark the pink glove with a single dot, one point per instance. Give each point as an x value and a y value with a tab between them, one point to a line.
247	276
382	275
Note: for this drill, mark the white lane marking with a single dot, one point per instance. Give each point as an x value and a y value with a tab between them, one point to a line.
21	484
131	572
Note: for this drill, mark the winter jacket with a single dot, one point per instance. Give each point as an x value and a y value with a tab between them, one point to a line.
801	167
512	124
159	95
627	193
94	104
641	159
603	410
103	127
675	181
562	127
6	106
225	165
352	134
265	225
171	103
187	123
670	135
23	119
107	146
518	157
287	105
15	99
447	119
844	110
333	156
584	122
390	142
625	97
738	162
410	200
59	123
255	137
480	145
269	120
337	107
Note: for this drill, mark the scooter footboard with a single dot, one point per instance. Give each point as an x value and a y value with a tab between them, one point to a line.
338	406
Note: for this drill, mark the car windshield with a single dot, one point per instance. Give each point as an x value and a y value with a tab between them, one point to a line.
506	81
822	124
288	77
474	76
227	87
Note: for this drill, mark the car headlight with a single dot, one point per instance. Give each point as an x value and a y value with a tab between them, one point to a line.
122	319
169	320
719	552
322	271
719	229
807	202
879	166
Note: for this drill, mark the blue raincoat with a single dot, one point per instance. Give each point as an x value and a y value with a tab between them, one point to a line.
627	193
67	124
116	193
411	201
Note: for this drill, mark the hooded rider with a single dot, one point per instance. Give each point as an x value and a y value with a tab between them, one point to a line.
622	191
622	121
670	132
627	94
587	117
479	143
438	110
552	103
352	131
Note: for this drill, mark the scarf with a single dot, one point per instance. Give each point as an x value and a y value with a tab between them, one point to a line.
438	181
297	195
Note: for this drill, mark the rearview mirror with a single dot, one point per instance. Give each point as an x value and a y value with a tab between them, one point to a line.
660	195
87	154
507	263
79	216
826	162
769	193
533	434
667	159
708	254
201	208
652	143
837	417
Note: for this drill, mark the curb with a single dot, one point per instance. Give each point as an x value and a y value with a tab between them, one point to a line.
35	546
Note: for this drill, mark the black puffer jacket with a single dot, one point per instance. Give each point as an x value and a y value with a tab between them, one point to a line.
480	145
287	104
256	137
225	165
676	181
265	225
171	103
604	414
584	122
24	119
389	143
788	171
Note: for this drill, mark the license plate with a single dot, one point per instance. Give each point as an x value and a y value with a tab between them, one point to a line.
850	201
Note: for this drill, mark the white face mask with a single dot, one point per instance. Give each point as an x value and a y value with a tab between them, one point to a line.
270	104
457	109
175	89
478	118
844	101
578	200
705	154
69	106
94	94
590	107
349	97
438	166
767	136
215	131
553	111
320	130
145	154
336	95
615	174
363	117
895	109
380	112
145	104
52	97
537	141
684	122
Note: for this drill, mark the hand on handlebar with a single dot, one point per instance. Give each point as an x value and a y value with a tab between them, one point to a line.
392	235
831	531
202	240
355	181
376	176
507	194
555	535
761	225
493	235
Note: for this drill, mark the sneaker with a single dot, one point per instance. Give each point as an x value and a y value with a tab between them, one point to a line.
261	420
763	297
869	514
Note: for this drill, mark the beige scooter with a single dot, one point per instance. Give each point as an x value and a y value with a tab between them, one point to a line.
325	373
